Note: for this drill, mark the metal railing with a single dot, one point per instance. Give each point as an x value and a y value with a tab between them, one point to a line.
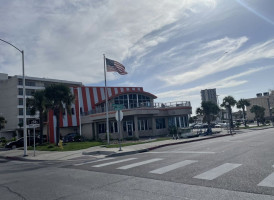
140	106
173	104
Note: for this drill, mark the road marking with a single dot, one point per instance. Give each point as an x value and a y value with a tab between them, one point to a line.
197	152
84	163
114	162
218	171
140	163
268	181
172	167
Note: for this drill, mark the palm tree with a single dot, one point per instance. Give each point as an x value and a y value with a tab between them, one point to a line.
259	113
209	111
3	121
229	102
38	103
242	103
59	97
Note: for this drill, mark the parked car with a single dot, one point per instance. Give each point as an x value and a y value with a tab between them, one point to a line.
20	142
217	126
72	137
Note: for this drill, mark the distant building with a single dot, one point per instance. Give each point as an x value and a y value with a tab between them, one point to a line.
209	95
265	100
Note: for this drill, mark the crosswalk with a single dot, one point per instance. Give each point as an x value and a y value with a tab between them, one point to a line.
208	175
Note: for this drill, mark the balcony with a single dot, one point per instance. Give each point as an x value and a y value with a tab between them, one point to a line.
142	107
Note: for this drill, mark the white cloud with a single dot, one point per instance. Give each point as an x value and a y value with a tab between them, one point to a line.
66	39
223	83
233	58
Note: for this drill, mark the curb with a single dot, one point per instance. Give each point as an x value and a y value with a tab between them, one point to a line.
163	145
18	158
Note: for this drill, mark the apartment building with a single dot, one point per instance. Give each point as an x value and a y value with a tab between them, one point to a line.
209	95
11	99
265	100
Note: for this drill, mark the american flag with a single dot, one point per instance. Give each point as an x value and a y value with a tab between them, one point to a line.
114	66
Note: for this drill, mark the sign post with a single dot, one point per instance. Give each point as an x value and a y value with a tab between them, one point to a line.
119	117
34	123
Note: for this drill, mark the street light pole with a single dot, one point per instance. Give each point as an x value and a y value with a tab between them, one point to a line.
24	98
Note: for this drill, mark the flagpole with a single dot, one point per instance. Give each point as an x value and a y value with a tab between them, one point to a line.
106	96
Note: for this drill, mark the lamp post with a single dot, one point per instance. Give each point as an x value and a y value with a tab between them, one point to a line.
24	97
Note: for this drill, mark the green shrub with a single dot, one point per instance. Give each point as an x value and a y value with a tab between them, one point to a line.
3	140
50	146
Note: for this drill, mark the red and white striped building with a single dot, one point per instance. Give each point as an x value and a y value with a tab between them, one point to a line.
142	117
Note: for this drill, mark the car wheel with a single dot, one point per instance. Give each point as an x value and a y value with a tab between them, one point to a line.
13	146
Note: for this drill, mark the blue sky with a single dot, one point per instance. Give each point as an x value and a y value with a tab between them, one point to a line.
173	49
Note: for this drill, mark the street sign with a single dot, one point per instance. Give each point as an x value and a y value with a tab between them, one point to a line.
118	106
34	122
117	115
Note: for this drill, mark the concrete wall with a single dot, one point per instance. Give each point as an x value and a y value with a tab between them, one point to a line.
9	102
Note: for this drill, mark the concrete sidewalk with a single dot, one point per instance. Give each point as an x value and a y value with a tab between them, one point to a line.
101	152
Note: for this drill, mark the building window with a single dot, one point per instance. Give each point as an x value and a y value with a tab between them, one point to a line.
102	127
21	111
29	92
20	82
178	121
143	124
20	121
30	83
72	111
113	127
20	101
81	110
184	121
160	123
20	91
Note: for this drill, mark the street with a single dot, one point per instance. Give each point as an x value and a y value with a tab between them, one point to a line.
232	167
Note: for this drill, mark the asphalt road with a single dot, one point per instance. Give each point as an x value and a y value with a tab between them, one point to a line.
234	167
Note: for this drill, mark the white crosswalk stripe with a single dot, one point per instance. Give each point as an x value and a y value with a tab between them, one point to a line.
140	163
114	162
93	161
172	167
268	181
218	171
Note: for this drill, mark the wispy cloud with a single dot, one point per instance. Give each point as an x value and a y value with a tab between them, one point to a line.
66	39
231	57
223	83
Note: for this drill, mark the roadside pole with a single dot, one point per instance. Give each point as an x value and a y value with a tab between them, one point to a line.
119	131
34	141
35	124
119	117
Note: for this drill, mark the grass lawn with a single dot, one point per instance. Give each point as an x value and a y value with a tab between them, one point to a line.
261	126
71	146
129	143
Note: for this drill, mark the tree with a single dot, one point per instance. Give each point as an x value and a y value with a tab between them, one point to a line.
59	97
209	111
229	102
38	103
259	113
3	121
242	103
191	120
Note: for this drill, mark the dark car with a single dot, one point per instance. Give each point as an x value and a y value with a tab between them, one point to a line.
20	142
72	137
